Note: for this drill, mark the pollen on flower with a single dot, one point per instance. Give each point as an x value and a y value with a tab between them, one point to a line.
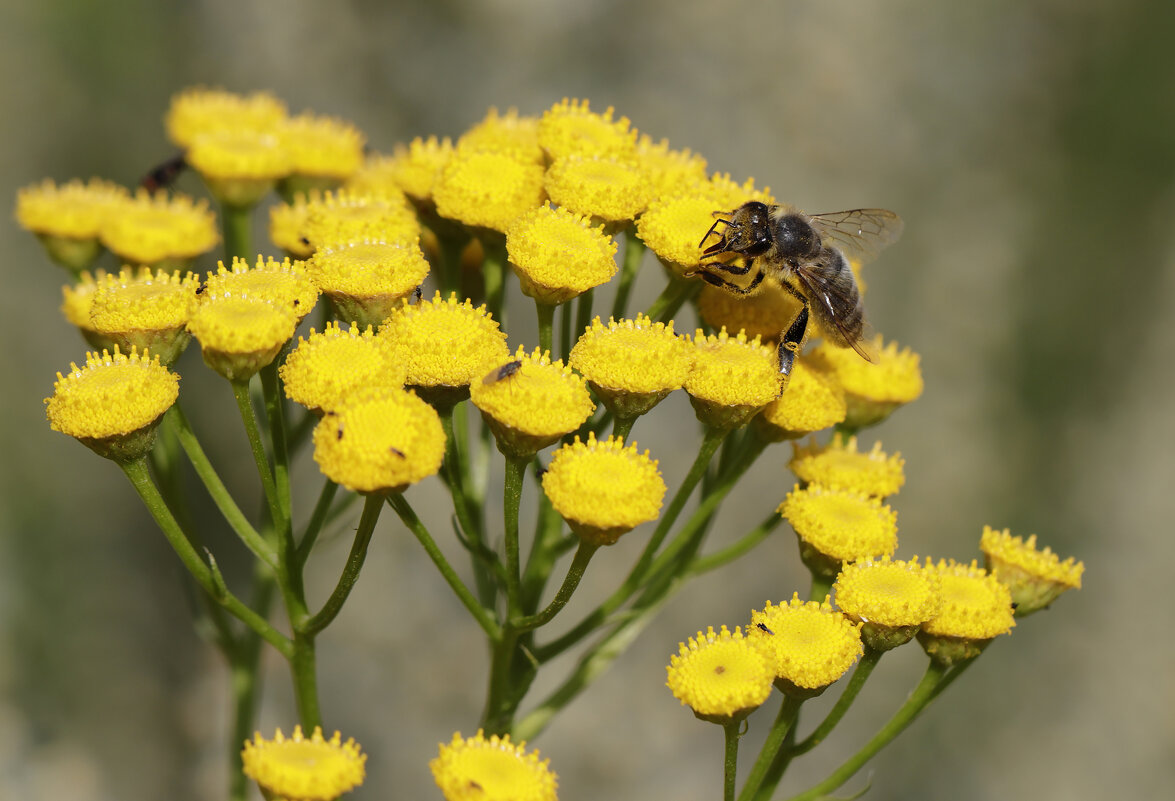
571	127
810	644
720	676
558	254
728	195
492	769
671	172
379	439
111	395
443	342
144	309
488	190
281	283
239	335
415	167
533	404
632	364
236	155
764	314
731	379
322	147
151	229
328	367
976	606
287	222
74	210
511	134
836	526
607	188
673	226
603	489
304	768
888	593
1034	578
875	388
366	280
839	465
345	216
811	402
199	111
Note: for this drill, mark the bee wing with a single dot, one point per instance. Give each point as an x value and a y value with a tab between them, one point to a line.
832	298
859	232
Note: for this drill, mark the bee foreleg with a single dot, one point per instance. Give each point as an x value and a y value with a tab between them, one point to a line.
722	283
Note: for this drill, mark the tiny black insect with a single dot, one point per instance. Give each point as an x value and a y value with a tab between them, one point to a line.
501	373
164	175
764	628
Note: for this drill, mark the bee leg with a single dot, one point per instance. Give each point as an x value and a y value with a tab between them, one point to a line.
732	269
792	340
722	283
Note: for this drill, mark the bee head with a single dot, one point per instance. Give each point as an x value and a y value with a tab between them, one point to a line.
748	231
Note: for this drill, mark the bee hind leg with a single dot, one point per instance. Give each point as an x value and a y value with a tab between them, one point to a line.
722	283
792	340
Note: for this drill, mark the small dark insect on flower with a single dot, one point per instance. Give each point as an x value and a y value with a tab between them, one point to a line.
397	451
419	294
164	175
502	373
339	432
761	627
200	289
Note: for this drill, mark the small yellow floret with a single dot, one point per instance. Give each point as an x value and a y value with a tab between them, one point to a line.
380	439
239	335
836	526
721	676
764	314
731	379
493	769
729	195
328	367
287	223
888	593
872	389
443	342
570	127
811	402
605	188
558	254
603	489
673	226
345	216
235	155
198	111
73	210
145	309
531	401
281	283
839	465
671	172
365	280
1035	578
322	147
151	229
809	645
415	168
510	134
304	768
488	190
111	395
976	606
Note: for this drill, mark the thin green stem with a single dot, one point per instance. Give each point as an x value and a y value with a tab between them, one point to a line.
622	426
821	587
574	573
634	251
743	545
237	224
583	318
275	412
484	560
511	500
671	299
860	675
304	670
245	681
249	418
317	519
546	314
493	272
730	762
789	710
371	509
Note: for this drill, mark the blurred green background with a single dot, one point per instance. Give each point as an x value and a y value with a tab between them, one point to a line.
1030	147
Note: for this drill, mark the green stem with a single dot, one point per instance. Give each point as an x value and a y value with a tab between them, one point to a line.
730	762
304	670
622	426
511	500
371	509
317	520
546	314
860	675
237	224
583	319
484	561
789	710
245	680
249	418
736	549
634	251
493	272
275	411
671	299
821	587
578	565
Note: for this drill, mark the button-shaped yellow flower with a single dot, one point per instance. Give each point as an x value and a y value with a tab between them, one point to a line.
839	465
345	216
281	283
240	335
366	279
323	151
492	769
488	190
764	314
327	368
976	608
809	645
603	489
512	134
416	167
570	127
161	231
77	301
671	172
672	227
731	379
198	111
380	440
836	526
530	402
558	254
874	389
632	364
287	224
1034	578
239	166
145	309
304	768
610	189
721	676
812	401
890	599
68	219
113	404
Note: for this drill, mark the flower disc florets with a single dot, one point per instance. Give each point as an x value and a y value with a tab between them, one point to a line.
836	526
415	167
721	676
67	219
558	254
304	768
326	368
976	608
731	379
812	401
671	172
160	230
322	151
240	335
199	111
281	283
838	465
145	309
890	599
570	127
511	134
488	190
606	188
239	167
873	389
287	223
345	216
808	645
672	227
765	314
491	769
1034	578
366	279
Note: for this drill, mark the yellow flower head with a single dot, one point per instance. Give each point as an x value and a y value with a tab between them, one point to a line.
721	676
327	368
672	227
145	309
808	645
281	283
764	314
671	172
488	190
632	364
304	768
239	166
1034	578
68	218
345	216
160	230
379	440
558	254
530	402
838	465
365	280
811	402
321	149
728	195
198	111
493	769
606	188
113	404
77	301
872	389
571	128
239	335
510	134
976	608
603	489
732	378
836	526
287	224
890	599
415	167
443	344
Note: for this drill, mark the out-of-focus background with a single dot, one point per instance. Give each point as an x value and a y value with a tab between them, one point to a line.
1030	147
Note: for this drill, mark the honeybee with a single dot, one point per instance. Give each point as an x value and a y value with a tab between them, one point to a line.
805	253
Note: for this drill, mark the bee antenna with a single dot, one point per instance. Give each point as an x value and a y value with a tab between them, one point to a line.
712	227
